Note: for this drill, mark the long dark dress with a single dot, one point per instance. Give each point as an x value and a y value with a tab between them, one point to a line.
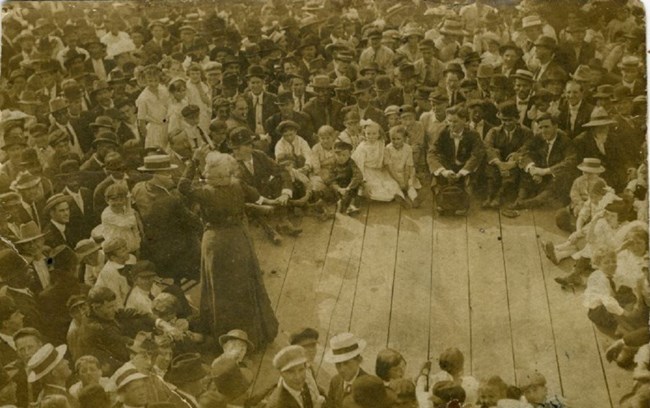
233	295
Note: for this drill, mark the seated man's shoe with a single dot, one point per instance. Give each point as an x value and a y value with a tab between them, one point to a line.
404	202
614	350
287	228
461	213
549	250
495	203
625	358
572	281
352	209
486	203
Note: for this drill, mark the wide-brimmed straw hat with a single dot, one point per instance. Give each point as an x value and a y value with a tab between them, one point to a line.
344	347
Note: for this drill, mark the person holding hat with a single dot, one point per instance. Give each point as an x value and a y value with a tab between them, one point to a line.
323	109
293	390
49	366
345	353
232	296
152	105
601	142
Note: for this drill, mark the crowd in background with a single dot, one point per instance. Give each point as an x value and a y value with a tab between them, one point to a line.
140	140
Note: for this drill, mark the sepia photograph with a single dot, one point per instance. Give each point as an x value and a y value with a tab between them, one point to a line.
324	204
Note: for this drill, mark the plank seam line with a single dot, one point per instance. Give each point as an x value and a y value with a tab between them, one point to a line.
433	243
602	366
505	276
469	296
548	301
356	282
392	290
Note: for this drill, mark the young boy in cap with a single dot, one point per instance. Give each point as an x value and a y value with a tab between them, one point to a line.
195	134
345	179
294	146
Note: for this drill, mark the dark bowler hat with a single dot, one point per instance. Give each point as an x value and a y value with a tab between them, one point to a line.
228	378
511	46
98	86
186	368
58	104
190	110
453	67
12	265
509	110
362	85
287	124
106	137
407	71
13	140
604	92
255	71
284	98
373	66
143	269
240	136
306	335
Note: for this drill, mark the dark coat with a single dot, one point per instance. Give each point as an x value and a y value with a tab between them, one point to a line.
615	160
553	66
372	113
109	64
280	398
325	113
471	152
7	354
269	178
568	58
561	160
55	298
499	146
269	108
336	393
81	223
84	135
54	237
564	119
28	307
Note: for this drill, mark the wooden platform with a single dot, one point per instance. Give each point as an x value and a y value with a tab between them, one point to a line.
419	283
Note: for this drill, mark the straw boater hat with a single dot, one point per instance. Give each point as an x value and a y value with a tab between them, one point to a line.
126	375
44	361
344	347
591	165
629	62
452	27
531	21
29	232
289	357
599	117
157	162
86	247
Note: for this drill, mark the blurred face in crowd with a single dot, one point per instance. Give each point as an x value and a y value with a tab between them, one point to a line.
509	123
134	393
145	282
456	122
96	51
214	77
408	83
256	85
452	80
27	45
323	94
348	369
372	133
476	113
298	87
240	110
163	358
89	373
607	263
62	370
33	248
179	92
629	75
439	108
342	155
286	108
32	194
117	203
577	37
27	346
13	323
106	310
236	349
309	52
624	106
157	32
364	98
61	213
397	139
181	145
543	54
393	120
14	153
223	112
143	361
547	129
510	57
295	377
289	134
573	93
62	147
187	37
523	88
555	87
533	32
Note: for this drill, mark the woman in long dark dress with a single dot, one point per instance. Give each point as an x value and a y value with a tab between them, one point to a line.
233	295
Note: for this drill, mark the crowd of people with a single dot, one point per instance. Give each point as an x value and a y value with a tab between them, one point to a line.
140	139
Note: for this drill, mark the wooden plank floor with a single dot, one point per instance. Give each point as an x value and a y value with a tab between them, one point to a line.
420	283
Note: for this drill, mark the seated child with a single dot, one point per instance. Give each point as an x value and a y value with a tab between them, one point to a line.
344	180
415	139
600	294
293	145
533	387
379	185
303	191
323	156
352	134
399	161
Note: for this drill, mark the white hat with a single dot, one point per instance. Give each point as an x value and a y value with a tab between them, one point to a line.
531	21
289	357
44	361
344	347
125	375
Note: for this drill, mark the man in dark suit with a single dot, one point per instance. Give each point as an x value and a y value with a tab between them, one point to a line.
523	87
80	140
323	109
261	104
81	203
405	94
11	320
575	50
158	45
286	104
545	51
600	142
270	179
345	353
97	63
15	277
504	147
363	94
549	165
456	154
57	210
29	340
292	391
575	111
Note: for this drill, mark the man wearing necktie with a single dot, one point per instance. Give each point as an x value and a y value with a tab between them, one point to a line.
523	89
549	165
261	104
292	390
456	154
196	135
345	353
